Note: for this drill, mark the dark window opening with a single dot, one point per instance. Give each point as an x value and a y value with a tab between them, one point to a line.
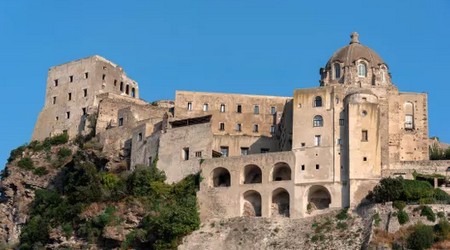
256	109
318	101
133	92
221	177
56	82
121	121
221	126
252	174
317	166
54	100
84	92
224	151
185	154
57	118
255	128
69	96
273	110
303	167
198	154
121	86
364	158
150	161
70	78
364	135
239	109
127	89
103	77
86	75
264	150
244	151
115	82
68	115
140	137
84	111
238	127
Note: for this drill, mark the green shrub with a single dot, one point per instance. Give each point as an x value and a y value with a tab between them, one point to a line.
15	153
341	225
58	139
421	238
399	205
428	212
441	214
377	219
40	171
342	215
442	229
388	189
402	217
64	152
26	163
36	146
441	195
67	229
414	190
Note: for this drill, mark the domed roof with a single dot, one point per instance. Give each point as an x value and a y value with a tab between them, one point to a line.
354	51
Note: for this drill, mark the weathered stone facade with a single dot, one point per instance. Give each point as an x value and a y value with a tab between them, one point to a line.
325	147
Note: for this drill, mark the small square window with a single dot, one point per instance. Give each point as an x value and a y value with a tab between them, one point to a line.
339	141
198	154
255	128
57	118
238	127
256	109
303	144
364	158
317	166
239	108
244	151
221	126
303	167
224	151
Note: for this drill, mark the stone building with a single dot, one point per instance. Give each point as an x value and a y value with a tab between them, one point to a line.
325	147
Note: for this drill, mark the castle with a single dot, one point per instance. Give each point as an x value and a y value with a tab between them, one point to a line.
269	156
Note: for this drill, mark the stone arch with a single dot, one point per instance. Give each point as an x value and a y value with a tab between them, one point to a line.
318	197
280	203
252	174
220	177
281	172
251	206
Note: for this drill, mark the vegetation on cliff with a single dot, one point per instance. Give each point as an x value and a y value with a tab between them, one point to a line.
84	201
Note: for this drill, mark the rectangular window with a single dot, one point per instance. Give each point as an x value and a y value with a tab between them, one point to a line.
198	154
238	127
221	126
273	110
317	166
255	128
256	109
69	96
303	167
272	129
239	108
86	75
244	151
103	77
185	154
222	108
317	140
84	92
54	100
115	82
205	107
121	86
339	141
140	137
341	122
68	115
84	111
224	151
56	82
70	78
189	106
150	161
303	144
409	123
264	150
121	121
57	118
364	135
364	158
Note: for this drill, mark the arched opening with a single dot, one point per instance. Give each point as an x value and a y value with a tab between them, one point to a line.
318	101
127	89
220	177
318	198
318	121
252	174
362	69
252	204
280	203
281	172
133	92
337	71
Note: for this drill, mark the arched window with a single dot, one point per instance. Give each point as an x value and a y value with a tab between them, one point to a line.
409	116
281	172
337	71
251	204
318	121
362	69
252	174
220	177
318	101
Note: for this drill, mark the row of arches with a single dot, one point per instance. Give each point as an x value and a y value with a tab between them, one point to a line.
251	174
318	198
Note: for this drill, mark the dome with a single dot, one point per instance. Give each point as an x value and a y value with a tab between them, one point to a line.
354	51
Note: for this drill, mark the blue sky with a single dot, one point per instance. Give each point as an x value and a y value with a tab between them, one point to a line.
255	47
